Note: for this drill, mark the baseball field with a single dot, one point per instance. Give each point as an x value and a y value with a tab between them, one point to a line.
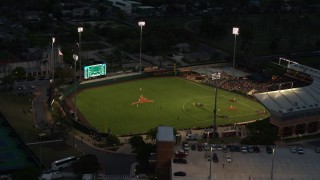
137	106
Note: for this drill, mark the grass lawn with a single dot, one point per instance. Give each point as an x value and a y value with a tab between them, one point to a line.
174	103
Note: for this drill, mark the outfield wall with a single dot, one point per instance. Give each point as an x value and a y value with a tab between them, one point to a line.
115	79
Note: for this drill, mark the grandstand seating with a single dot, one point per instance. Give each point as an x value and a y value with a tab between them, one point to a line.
294	99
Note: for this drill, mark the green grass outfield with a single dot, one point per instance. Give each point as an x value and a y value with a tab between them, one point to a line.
173	104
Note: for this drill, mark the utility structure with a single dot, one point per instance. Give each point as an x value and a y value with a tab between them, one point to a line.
235	31
75	57
52	63
80	30
214	77
141	24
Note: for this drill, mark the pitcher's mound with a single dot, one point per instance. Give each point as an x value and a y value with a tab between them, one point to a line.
232	108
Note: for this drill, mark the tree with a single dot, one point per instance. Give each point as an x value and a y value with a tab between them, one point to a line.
136	141
261	132
152	134
18	73
87	164
143	155
112	140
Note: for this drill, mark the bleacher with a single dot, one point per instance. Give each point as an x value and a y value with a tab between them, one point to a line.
294	100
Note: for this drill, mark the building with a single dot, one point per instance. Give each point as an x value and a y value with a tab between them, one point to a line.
146	11
295	111
126	6
165	151
36	62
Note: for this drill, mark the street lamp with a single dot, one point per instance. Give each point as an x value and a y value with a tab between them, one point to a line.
214	76
141	24
80	29
52	57
209	177
75	57
235	31
273	151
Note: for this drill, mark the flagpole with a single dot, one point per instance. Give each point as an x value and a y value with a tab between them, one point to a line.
60	54
59	68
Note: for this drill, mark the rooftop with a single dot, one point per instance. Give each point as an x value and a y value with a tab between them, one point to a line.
165	134
294	100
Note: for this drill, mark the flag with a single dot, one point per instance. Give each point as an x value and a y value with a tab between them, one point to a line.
60	53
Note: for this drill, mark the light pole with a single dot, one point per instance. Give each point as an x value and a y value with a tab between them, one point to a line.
141	24
214	76
80	29
52	58
209	177
235	31
75	57
273	151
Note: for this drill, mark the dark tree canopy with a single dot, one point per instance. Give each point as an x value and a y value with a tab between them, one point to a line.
136	142
261	132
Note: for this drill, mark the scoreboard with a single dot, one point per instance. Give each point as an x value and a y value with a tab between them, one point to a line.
95	70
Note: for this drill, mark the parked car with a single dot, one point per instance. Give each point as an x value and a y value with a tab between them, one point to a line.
250	149
256	149
293	149
186	146
213	147
228	158
219	147
237	148
300	150
232	148
193	147
200	147
215	157
269	150
206	146
180	154
224	149
180	161
208	156
180	173
244	149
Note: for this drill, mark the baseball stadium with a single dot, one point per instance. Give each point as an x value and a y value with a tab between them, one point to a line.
133	103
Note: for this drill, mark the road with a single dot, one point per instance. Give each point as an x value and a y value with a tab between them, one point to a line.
113	163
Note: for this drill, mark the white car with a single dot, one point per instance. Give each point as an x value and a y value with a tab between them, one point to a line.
300	150
244	149
219	147
293	149
228	158
186	147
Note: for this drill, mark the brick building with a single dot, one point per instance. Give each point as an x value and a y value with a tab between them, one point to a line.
165	151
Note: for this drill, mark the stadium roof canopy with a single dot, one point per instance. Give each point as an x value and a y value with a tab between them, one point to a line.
294	101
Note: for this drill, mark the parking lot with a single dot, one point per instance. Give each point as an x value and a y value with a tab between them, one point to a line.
244	166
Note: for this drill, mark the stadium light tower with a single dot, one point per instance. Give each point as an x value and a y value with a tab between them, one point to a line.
141	24
52	57
75	57
215	77
235	31
80	30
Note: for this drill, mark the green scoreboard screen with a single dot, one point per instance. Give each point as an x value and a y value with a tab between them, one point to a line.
95	70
